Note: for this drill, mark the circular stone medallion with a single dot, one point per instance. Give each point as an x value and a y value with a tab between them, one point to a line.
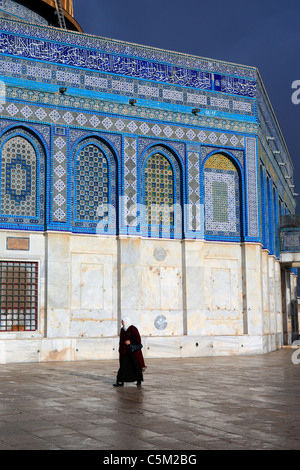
160	322
160	253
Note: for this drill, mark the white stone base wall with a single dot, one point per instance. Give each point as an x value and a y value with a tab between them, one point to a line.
188	298
76	349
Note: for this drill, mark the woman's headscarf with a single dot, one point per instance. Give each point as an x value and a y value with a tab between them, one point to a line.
127	322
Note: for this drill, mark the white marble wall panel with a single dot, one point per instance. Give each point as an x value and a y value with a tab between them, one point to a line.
75	349
151	285
57	349
272	305
93	349
249	345
195	282
226	345
196	346
151	282
59	322
82	286
131	279
92	286
252	292
163	346
168	288
161	288
94	328
222	296
91	280
173	321
20	350
265	291
278	298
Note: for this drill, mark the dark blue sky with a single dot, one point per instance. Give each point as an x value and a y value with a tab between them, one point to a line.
260	33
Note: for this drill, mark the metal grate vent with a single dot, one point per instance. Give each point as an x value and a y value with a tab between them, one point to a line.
18	296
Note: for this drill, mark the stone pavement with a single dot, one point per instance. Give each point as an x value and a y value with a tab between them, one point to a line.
249	402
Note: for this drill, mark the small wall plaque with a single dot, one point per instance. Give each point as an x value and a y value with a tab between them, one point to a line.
17	243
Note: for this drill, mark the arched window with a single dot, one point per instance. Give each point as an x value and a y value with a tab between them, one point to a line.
263	206
95	188
159	191
276	222
92	184
18	178
270	222
222	197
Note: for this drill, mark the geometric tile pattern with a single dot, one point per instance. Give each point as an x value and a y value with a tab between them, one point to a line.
130	181
290	240
92	184
23	178
220	162
264	205
159	191
94	187
85	104
194	221
222	197
179	148
252	191
237	154
18	178
96	70
125	124
59	174
173	179
270	214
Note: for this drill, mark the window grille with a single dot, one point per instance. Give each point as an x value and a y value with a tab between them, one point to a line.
18	296
92	184
159	191
222	197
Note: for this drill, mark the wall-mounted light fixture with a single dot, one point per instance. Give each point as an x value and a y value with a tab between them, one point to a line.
63	89
132	101
196	111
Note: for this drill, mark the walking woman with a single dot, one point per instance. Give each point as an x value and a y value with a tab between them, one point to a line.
132	364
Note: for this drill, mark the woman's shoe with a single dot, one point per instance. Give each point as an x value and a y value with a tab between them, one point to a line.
118	384
139	383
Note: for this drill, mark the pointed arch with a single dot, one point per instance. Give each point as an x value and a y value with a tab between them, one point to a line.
94	176
161	185
222	197
159	191
22	189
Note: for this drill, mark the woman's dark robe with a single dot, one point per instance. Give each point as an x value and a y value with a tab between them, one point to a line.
131	364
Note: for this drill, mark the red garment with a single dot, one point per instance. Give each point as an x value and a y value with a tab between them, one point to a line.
131	334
